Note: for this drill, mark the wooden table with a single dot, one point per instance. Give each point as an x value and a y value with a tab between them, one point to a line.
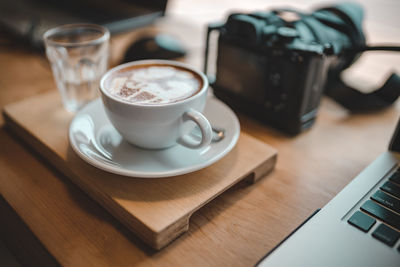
47	220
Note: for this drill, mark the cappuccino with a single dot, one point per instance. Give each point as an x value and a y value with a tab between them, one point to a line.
149	102
153	84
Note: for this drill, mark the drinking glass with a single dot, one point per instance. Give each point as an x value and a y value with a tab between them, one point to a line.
78	54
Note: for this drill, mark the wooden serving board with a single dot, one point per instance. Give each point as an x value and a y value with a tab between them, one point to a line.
157	210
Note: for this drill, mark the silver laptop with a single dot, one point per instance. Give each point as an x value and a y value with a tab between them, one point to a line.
359	227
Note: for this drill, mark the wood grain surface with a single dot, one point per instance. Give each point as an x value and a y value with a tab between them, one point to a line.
241	225
157	210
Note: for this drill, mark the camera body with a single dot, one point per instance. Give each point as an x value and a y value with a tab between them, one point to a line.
274	69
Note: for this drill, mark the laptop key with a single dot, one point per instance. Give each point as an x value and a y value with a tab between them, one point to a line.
386	200
391	188
381	213
386	234
395	177
362	221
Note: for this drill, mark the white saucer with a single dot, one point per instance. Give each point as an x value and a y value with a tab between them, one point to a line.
97	142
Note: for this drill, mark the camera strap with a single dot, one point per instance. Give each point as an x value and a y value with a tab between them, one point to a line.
335	88
356	101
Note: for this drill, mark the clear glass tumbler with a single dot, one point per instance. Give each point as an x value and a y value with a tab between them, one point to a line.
78	54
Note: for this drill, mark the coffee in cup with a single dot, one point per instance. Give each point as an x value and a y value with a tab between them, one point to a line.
150	101
153	84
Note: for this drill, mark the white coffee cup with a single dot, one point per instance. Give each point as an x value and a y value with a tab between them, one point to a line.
158	126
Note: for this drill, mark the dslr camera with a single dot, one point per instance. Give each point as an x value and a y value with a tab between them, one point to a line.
275	65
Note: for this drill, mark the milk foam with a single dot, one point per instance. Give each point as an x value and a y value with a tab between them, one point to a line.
154	85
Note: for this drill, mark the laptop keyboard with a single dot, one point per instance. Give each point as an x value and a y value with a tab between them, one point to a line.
382	207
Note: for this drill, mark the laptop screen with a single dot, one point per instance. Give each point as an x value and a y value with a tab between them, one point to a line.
29	19
395	142
104	11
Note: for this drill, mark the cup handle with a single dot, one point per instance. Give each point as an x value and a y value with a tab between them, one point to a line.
205	128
